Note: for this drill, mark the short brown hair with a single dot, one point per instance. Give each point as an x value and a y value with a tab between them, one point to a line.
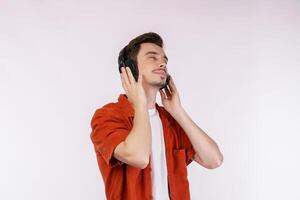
131	50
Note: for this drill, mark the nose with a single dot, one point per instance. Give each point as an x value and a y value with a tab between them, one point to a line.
163	64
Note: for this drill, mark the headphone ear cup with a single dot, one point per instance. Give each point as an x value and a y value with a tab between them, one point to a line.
121	59
121	64
133	67
168	79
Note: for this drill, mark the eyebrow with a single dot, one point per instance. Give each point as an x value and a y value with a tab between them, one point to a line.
153	52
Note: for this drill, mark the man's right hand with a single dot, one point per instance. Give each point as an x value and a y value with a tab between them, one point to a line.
134	90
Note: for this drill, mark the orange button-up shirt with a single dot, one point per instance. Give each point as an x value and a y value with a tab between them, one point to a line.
111	125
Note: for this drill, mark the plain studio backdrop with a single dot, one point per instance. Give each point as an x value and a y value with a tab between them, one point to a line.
236	65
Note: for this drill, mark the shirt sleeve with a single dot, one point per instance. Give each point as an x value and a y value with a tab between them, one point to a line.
108	130
185	143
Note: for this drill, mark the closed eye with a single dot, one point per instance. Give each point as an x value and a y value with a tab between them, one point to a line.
152	57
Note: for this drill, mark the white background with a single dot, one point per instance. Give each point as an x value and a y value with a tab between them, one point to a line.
236	65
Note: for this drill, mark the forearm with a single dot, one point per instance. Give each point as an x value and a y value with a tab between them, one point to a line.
205	147
138	142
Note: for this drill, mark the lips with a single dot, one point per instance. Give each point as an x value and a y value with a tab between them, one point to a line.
160	71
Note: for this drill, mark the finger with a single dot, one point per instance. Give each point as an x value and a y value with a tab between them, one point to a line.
130	75
162	94
168	93
170	88
172	84
123	84
125	77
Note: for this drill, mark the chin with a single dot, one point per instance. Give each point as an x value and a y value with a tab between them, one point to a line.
158	84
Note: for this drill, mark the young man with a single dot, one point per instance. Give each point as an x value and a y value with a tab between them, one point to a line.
143	149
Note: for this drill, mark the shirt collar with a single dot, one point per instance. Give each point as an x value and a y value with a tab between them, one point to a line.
127	107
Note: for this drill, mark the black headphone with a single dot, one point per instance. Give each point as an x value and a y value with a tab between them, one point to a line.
123	61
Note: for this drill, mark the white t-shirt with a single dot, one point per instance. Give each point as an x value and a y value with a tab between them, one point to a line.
158	158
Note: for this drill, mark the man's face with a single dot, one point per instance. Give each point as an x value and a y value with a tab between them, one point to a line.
152	63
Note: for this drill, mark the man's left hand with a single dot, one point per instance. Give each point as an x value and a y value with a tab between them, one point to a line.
170	98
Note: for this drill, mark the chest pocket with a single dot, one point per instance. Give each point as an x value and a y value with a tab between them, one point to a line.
179	184
179	157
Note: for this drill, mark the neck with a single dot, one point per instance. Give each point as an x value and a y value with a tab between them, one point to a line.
151	97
